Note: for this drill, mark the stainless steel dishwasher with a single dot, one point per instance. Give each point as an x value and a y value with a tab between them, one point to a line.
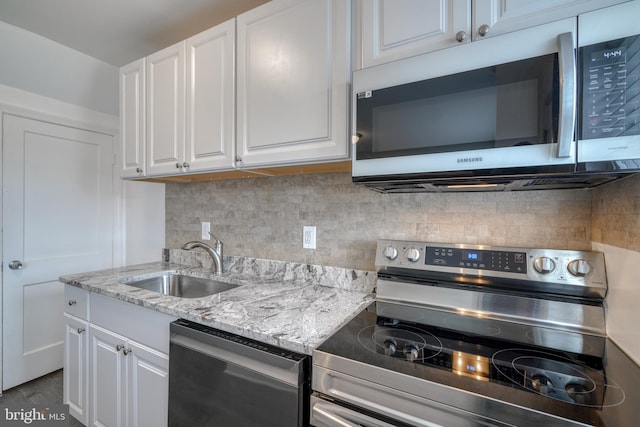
221	379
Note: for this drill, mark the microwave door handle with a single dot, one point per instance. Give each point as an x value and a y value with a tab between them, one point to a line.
567	69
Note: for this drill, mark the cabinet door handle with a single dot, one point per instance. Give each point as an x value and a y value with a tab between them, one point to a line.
72	302
483	30
139	170
119	347
80	330
461	36
127	351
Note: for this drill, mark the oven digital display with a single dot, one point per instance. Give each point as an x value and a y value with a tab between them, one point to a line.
472	255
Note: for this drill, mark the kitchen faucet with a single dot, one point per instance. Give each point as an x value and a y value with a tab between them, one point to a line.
216	254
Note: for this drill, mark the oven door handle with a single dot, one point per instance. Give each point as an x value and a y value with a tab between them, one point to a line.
567	113
326	414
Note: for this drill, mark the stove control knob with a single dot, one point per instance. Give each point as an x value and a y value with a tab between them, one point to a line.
412	254
579	267
411	353
390	253
544	265
389	347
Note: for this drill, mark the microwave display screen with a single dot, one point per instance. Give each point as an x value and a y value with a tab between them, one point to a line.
611	89
504	105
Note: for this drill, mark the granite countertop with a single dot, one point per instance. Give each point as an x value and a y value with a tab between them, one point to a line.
293	306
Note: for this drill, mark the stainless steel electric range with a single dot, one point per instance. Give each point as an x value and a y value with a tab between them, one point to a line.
469	335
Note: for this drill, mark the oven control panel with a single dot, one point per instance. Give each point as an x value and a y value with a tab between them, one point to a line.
565	268
476	258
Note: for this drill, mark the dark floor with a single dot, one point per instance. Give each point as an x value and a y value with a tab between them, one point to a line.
43	390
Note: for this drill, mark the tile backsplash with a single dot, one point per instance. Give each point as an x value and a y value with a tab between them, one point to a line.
616	214
264	217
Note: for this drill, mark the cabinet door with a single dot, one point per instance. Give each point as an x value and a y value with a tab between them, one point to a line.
132	119
394	29
293	73
74	375
148	386
165	110
108	378
210	98
499	16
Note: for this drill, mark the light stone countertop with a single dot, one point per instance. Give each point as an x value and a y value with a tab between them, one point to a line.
293	306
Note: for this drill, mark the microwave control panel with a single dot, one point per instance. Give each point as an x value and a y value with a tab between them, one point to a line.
611	88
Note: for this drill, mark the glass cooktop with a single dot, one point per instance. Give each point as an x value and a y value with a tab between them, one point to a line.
583	378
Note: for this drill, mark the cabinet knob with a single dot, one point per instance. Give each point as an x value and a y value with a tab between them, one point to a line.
461	36
119	347
80	330
127	351
483	30
178	166
72	302
186	165
238	159
139	170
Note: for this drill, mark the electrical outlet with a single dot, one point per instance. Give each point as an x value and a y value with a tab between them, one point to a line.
308	237
206	231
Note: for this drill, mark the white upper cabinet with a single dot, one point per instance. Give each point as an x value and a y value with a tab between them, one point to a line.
394	29
493	17
293	74
165	110
178	107
132	119
210	99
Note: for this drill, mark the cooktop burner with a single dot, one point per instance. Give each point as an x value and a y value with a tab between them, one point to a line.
489	364
557	377
575	379
414	344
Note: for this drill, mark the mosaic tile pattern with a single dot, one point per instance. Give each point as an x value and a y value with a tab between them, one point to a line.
263	218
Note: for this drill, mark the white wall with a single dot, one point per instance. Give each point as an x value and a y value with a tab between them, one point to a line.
144	219
39	65
623	314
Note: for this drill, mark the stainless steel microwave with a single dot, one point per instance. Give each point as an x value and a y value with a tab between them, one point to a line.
494	114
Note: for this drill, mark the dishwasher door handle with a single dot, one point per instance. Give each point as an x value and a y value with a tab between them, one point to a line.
287	376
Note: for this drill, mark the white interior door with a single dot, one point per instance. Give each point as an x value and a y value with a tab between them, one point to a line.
58	210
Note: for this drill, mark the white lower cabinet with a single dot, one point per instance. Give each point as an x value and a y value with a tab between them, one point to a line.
76	361
129	381
116	362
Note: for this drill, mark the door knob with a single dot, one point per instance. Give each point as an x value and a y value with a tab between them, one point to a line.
15	265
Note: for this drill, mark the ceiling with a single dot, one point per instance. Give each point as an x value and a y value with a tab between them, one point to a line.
119	31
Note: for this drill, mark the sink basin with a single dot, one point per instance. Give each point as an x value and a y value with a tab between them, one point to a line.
180	285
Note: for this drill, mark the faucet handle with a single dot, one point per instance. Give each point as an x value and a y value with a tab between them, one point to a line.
214	237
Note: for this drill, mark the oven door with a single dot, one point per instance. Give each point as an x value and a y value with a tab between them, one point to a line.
345	400
502	103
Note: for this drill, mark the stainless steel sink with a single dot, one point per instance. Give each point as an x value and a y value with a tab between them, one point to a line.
180	285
